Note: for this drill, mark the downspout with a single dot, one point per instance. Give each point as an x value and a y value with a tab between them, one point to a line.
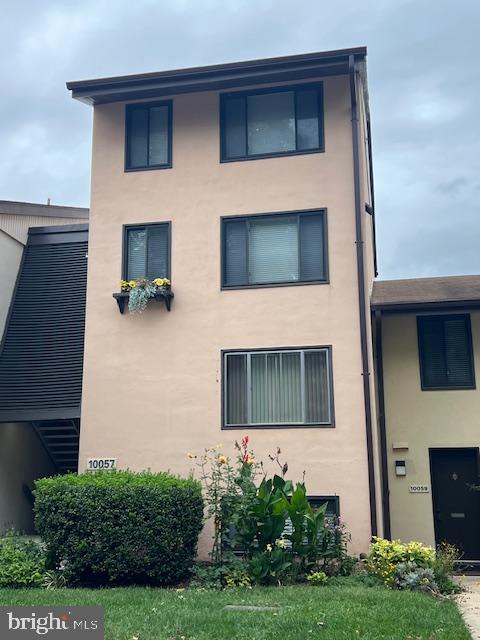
362	307
387	532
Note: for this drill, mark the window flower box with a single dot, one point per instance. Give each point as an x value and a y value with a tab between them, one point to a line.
135	294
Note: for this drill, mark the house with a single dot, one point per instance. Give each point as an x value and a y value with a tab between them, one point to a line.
248	185
41	352
428	350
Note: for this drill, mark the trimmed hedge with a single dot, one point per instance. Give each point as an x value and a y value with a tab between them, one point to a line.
120	527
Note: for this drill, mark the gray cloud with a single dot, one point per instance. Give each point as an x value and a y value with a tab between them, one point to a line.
424	91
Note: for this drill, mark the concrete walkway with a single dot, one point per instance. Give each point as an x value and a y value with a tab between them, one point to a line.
469	603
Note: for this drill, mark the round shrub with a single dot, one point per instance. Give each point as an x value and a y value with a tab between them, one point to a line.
22	563
120	527
385	556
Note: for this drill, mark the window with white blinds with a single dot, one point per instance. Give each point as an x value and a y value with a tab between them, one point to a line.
283	387
147	251
274	249
446	353
148	136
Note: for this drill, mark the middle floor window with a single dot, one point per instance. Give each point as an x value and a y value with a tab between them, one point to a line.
284	387
282	248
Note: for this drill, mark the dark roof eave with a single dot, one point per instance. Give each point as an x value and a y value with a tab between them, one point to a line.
214	77
426	305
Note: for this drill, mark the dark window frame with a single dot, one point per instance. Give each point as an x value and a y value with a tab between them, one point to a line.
421	354
275	89
295	425
128	227
317	501
129	108
288	283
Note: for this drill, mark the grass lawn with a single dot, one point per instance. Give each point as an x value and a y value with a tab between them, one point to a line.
334	612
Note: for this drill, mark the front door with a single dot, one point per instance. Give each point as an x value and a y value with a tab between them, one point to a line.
456	506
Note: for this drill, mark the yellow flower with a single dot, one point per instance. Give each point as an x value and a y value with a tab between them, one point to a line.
132	283
280	543
222	459
251	461
269	547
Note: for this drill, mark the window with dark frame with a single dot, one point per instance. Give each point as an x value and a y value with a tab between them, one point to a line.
148	136
446	353
147	251
291	387
280	248
269	122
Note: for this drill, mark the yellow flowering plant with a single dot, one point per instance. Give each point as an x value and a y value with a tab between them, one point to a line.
127	285
140	291
385	556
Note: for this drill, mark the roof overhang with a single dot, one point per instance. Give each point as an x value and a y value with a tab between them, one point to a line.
215	77
426	307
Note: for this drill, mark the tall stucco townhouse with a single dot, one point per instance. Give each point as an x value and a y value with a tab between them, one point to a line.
249	186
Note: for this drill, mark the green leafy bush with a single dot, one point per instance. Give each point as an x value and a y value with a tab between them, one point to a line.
446	557
22	563
386	555
119	526
317	578
232	573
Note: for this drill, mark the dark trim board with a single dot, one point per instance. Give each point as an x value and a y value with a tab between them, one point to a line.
215	77
296	425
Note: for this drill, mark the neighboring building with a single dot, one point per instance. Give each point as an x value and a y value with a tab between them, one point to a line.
15	220
249	185
41	359
428	350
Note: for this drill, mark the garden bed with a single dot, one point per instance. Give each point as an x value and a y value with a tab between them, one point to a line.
342	610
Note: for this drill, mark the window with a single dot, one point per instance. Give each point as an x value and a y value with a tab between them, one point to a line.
270	122
274	249
147	251
445	346
148	136
333	505
285	387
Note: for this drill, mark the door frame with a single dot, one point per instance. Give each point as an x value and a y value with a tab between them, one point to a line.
431	452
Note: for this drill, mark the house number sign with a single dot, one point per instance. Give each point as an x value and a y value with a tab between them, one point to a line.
419	488
95	464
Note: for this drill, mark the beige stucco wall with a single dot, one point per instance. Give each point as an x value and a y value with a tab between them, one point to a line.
423	420
10	256
152	383
22	460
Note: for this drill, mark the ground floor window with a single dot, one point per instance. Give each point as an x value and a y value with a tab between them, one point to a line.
282	387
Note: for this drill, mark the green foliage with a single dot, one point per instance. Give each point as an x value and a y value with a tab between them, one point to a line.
386	555
317	578
22	562
140	295
414	578
54	580
221	575
119	526
446	557
269	566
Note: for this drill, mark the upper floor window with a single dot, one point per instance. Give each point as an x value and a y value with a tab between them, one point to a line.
282	248
446	354
147	251
148	132
273	388
269	122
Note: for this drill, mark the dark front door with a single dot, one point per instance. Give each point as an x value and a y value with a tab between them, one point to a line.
456	506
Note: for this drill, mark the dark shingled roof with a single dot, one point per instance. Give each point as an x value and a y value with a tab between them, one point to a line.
41	355
448	291
11	207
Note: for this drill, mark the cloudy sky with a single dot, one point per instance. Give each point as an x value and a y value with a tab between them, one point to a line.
424	85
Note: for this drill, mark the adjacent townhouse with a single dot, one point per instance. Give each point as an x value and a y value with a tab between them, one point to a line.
249	186
428	353
40	357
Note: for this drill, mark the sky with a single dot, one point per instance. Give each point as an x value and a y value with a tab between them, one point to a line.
424	85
